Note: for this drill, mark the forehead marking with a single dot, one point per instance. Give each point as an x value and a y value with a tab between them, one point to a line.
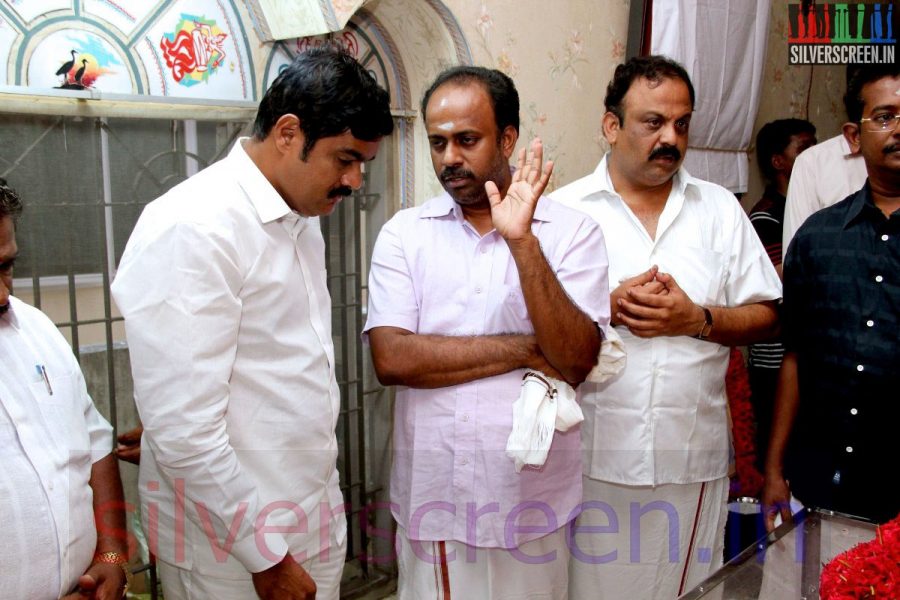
448	126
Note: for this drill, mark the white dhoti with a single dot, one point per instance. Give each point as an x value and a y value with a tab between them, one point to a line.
646	542
325	569
536	570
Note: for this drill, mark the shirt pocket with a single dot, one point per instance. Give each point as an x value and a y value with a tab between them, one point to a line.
510	312
63	414
700	272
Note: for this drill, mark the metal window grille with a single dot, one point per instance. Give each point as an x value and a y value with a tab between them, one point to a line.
84	182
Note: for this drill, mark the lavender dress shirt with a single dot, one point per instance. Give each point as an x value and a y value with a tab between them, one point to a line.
432	273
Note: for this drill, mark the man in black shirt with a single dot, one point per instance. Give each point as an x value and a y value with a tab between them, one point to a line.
837	402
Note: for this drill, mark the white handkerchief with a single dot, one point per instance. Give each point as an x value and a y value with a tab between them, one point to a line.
612	357
544	404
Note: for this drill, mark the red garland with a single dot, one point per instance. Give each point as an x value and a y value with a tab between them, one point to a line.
868	570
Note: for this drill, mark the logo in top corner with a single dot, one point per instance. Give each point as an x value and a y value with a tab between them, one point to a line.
842	33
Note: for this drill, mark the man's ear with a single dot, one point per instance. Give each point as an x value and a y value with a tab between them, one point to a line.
779	163
508	140
611	126
851	134
286	134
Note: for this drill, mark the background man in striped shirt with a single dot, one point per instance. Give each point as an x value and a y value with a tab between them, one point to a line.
778	144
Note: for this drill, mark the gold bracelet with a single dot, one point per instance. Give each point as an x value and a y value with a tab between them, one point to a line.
114	558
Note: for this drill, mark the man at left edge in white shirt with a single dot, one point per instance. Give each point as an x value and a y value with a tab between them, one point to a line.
228	320
58	472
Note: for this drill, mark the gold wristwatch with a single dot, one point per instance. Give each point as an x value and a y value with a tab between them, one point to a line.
114	558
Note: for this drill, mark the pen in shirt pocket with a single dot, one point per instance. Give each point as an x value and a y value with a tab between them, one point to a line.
42	373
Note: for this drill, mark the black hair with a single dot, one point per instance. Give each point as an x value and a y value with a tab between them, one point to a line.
654	68
10	205
499	87
331	94
774	137
859	76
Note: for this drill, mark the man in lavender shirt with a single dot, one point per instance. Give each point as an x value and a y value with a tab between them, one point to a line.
466	292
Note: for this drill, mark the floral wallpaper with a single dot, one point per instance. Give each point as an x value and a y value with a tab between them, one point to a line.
561	59
807	92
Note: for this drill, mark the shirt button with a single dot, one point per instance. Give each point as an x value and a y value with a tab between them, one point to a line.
870	323
465	418
853	411
860	368
849	449
879	278
884	238
464	461
484	249
478	290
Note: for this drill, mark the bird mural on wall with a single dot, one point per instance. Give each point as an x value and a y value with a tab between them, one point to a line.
79	74
65	68
79	79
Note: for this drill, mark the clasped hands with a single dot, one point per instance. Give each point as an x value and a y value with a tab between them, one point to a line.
652	304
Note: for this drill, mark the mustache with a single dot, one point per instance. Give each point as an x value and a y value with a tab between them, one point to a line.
454	172
666	152
891	148
340	192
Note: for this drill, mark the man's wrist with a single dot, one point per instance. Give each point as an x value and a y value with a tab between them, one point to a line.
117	559
527	240
706	323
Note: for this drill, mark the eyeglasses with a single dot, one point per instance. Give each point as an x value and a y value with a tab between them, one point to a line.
881	122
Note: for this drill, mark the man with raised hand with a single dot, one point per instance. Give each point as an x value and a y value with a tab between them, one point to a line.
466	292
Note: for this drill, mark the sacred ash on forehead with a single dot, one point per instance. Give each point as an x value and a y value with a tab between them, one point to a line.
448	126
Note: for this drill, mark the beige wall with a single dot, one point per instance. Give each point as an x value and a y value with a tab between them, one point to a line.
807	92
561	56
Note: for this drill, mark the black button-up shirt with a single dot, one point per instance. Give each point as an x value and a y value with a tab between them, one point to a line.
841	315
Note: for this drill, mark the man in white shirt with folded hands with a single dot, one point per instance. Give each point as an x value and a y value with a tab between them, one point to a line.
689	278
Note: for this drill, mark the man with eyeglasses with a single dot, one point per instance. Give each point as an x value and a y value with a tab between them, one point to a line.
836	407
689	278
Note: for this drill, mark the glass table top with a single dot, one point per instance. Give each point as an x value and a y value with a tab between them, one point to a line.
787	563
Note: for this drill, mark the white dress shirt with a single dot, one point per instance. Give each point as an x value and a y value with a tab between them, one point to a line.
822	175
663	418
48	444
228	320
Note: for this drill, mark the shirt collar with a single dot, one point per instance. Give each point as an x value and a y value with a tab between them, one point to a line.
10	315
602	183
444	205
845	147
772	193
267	202
862	206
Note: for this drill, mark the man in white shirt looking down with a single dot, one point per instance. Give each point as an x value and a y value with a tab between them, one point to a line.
689	279
228	319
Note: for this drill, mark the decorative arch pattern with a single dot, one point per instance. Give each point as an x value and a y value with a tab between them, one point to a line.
195	49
